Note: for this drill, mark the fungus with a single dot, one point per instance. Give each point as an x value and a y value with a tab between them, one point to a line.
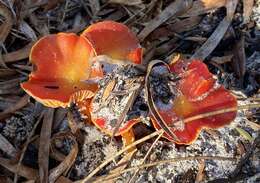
62	69
66	71
114	40
195	92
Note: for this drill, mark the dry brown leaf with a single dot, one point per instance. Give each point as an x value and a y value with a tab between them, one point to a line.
60	114
5	27
239	59
63	180
52	4
8	84
24	171
66	164
247	10
26	29
29	181
196	39
212	42
203	6
7	72
107	91
175	8
5	179
57	155
44	145
23	67
11	91
222	60
20	104
127	2
7	147
95	6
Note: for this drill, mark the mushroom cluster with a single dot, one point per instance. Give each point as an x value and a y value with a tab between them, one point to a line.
66	73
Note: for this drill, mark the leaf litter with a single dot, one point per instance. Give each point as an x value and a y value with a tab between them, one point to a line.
207	36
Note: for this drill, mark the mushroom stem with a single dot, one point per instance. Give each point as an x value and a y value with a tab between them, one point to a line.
128	138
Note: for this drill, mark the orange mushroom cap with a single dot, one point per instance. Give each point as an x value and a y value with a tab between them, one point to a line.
199	93
118	42
63	62
114	40
63	67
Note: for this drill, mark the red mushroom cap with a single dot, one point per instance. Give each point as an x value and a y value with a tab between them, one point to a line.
199	93
118	42
62	69
114	40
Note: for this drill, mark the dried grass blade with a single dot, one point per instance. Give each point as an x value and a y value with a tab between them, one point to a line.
27	30
20	104
44	145
7	147
11	83
6	72
63	180
66	164
200	174
151	104
239	59
127	2
19	54
244	134
59	116
5	27
24	171
212	42
253	125
175	8
23	67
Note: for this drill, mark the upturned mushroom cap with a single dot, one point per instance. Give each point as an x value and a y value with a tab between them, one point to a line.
118	42
62	68
198	93
114	40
